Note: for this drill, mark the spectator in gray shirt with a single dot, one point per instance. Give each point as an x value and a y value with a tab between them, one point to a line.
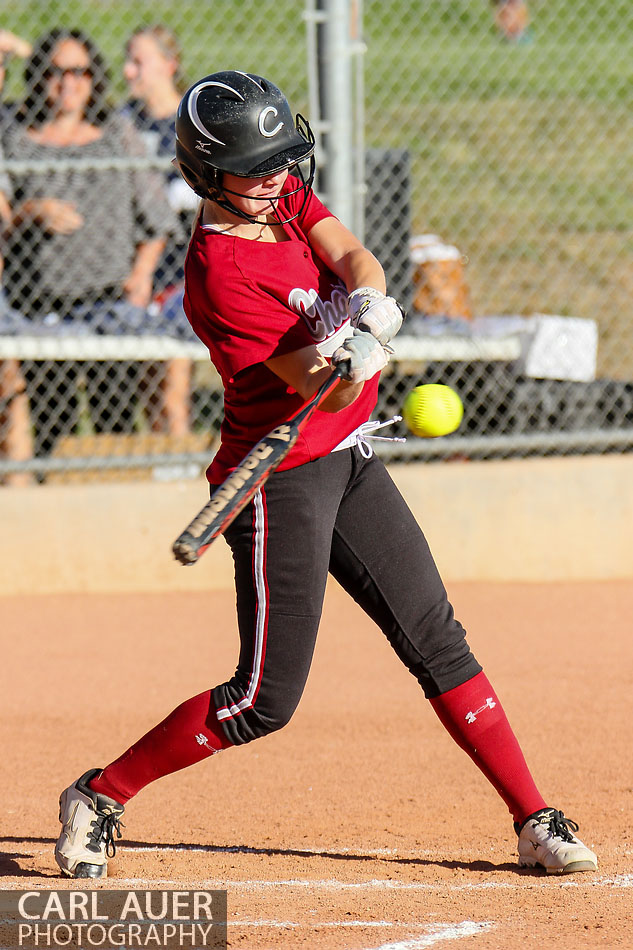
85	235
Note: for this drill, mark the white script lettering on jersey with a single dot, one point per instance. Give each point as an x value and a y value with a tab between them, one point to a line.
327	320
263	115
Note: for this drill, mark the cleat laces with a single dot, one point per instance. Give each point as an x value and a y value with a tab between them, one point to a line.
102	829
559	826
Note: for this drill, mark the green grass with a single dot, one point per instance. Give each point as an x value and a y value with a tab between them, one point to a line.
520	154
220	35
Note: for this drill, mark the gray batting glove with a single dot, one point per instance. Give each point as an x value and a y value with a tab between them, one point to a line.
369	309
365	356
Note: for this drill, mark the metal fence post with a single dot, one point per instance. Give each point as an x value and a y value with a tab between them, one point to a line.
335	87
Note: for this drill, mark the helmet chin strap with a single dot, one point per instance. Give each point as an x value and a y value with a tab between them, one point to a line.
226	204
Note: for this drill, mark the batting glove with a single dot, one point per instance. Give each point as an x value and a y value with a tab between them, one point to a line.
365	356
369	309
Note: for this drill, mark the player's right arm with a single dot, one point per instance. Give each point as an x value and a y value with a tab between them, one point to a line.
306	369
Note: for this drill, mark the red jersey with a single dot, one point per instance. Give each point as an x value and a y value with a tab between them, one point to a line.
251	301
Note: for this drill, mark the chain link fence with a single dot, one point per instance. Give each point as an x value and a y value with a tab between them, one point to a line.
492	165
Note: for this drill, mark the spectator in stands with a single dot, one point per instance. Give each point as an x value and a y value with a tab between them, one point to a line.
512	19
85	236
152	70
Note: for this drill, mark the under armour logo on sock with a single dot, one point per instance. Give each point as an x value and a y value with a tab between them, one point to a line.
201	739
472	716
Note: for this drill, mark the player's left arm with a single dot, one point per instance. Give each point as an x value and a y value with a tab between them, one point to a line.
368	306
344	254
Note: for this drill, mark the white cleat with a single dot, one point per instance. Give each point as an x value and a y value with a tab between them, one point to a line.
89	821
547	840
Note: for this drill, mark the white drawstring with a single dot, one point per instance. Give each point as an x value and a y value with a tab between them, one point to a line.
362	434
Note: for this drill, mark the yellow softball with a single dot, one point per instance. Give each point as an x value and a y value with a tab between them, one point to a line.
432	409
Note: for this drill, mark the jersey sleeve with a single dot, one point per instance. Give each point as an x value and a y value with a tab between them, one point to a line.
313	212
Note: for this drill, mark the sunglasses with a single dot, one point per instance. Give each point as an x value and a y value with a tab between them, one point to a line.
58	72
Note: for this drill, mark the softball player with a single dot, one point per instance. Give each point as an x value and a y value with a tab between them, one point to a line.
279	289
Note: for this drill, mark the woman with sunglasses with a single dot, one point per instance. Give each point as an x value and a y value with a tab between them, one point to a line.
85	235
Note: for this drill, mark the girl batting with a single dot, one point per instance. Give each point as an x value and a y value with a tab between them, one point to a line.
279	290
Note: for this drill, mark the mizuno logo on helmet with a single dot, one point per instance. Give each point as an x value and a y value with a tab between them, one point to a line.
263	116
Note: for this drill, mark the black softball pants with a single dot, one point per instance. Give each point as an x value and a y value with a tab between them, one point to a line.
342	514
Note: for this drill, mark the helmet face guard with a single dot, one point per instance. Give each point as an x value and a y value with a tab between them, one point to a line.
306	178
241	124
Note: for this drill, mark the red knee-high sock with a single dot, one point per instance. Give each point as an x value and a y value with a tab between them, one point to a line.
474	717
189	734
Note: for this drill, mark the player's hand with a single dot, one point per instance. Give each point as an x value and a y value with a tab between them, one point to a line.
365	356
370	310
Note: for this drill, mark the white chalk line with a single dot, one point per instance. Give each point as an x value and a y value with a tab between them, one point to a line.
467	928
557	881
523	882
433	933
314	925
335	924
619	881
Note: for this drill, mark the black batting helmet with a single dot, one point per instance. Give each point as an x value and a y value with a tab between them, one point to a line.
239	123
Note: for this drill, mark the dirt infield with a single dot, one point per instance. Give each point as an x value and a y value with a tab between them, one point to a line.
360	826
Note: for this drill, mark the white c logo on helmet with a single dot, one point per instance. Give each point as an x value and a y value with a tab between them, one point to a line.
263	115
